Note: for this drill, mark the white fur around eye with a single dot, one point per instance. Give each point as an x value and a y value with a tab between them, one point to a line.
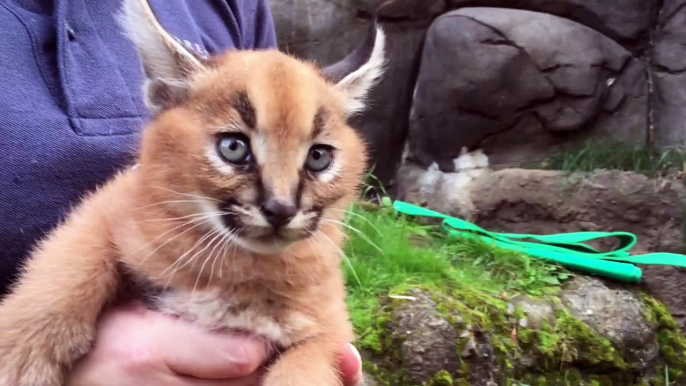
216	161
259	148
332	172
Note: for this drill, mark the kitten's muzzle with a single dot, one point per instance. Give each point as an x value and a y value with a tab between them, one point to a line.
278	213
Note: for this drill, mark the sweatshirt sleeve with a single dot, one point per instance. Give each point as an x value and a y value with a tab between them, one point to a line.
259	31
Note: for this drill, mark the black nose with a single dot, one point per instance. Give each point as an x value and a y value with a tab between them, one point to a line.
278	213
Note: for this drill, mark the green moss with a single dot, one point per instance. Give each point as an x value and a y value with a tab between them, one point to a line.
566	342
383	375
463	374
541	381
442	378
375	338
472	285
581	344
557	349
561	377
671	342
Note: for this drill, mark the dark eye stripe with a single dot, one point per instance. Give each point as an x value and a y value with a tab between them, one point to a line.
301	186
241	103
318	124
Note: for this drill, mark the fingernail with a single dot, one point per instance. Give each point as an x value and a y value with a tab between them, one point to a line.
357	353
360	375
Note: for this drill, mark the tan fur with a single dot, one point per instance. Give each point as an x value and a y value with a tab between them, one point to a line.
295	297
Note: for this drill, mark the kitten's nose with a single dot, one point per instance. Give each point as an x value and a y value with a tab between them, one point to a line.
278	213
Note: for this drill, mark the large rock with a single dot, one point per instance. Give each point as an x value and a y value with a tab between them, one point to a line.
325	30
588	334
545	202
429	342
516	83
669	63
626	21
616	314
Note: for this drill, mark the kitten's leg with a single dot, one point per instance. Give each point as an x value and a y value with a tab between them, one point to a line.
48	321
311	363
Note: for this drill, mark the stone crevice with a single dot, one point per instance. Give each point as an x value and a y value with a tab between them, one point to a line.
459	109
505	38
667	19
659	68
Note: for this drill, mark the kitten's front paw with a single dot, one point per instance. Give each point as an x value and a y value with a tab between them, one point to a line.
41	360
32	374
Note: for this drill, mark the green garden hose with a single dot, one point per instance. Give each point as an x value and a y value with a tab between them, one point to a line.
566	249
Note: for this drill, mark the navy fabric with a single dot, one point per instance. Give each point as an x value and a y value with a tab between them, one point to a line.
70	100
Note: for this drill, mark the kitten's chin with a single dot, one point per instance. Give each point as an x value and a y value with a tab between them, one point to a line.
270	246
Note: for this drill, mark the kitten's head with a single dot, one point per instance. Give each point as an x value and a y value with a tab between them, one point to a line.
254	144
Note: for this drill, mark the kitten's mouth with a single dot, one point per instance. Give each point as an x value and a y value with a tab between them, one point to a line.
273	236
264	235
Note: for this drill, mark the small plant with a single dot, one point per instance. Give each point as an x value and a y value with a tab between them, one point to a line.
374	188
618	156
386	250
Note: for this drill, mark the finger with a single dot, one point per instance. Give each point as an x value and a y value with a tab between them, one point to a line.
190	350
351	366
250	380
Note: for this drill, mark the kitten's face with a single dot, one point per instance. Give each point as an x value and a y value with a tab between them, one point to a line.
262	139
253	143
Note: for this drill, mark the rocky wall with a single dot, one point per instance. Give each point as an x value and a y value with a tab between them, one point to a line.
516	78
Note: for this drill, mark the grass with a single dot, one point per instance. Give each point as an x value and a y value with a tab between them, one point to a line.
387	251
618	156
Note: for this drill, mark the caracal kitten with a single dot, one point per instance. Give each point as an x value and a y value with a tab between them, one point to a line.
230	219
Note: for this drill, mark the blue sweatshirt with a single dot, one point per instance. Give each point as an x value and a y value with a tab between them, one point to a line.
70	99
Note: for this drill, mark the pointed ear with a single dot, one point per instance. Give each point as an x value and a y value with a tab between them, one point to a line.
167	65
357	73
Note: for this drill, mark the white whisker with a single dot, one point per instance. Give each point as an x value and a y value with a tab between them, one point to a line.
360	233
222	253
206	260
343	255
176	218
233	250
230	243
165	202
222	242
187	194
192	259
311	244
206	220
181	258
357	215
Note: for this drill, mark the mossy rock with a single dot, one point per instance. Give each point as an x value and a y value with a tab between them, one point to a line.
462	337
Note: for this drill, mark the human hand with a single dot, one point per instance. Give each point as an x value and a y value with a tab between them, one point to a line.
137	346
351	366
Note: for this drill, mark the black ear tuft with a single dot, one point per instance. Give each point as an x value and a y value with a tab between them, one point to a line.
359	71
167	65
338	71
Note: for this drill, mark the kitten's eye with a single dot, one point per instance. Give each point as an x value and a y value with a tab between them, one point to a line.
319	158
234	148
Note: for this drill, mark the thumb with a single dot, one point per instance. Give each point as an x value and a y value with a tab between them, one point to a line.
191	350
